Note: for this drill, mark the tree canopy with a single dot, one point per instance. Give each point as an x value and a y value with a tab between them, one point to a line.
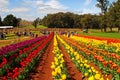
11	20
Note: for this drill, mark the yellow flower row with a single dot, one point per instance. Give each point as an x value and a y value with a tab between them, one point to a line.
82	62
58	64
89	41
96	43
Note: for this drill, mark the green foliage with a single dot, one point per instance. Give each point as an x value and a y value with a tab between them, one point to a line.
36	22
1	21
103	5
70	20
114	14
11	20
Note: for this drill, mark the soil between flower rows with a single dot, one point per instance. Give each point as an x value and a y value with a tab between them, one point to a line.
43	70
74	73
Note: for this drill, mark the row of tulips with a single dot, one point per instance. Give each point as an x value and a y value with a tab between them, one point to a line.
21	70
107	66
100	52
59	71
113	57
13	47
13	60
109	40
81	63
101	44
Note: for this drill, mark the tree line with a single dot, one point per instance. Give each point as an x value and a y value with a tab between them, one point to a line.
11	20
109	17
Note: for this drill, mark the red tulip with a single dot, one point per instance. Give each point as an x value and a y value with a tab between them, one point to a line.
4	78
9	74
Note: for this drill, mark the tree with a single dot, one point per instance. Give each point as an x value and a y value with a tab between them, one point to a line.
24	23
0	21
10	20
36	22
86	21
111	17
116	9
103	5
114	14
59	20
18	21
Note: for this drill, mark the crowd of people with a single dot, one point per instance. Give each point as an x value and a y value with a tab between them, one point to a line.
3	34
68	33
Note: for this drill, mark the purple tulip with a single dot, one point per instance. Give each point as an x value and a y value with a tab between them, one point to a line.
19	45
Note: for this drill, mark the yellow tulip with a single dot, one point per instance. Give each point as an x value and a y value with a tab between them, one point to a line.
78	61
73	58
56	63
97	76
77	57
86	74
89	70
101	79
56	60
81	65
92	68
59	71
91	78
53	73
96	72
53	67
87	66
63	77
86	61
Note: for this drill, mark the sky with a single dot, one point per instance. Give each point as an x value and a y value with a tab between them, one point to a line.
31	9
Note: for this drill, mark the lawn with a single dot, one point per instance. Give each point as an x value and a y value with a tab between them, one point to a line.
98	33
39	26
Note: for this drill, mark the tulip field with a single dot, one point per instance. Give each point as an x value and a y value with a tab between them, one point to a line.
59	57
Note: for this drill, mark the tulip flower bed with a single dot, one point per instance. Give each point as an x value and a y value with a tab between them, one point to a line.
20	63
58	57
59	69
102	54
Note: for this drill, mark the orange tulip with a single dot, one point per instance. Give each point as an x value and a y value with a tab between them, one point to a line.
118	70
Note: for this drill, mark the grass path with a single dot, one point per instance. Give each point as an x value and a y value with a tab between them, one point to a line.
98	33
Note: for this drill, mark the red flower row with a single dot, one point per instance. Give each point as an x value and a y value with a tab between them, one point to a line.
14	74
109	40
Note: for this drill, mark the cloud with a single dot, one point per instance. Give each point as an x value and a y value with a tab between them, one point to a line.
30	9
5	10
4	3
93	10
15	10
87	2
51	6
55	4
28	17
20	9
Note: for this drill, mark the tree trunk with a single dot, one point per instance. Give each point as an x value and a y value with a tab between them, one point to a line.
119	29
101	29
105	28
110	29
